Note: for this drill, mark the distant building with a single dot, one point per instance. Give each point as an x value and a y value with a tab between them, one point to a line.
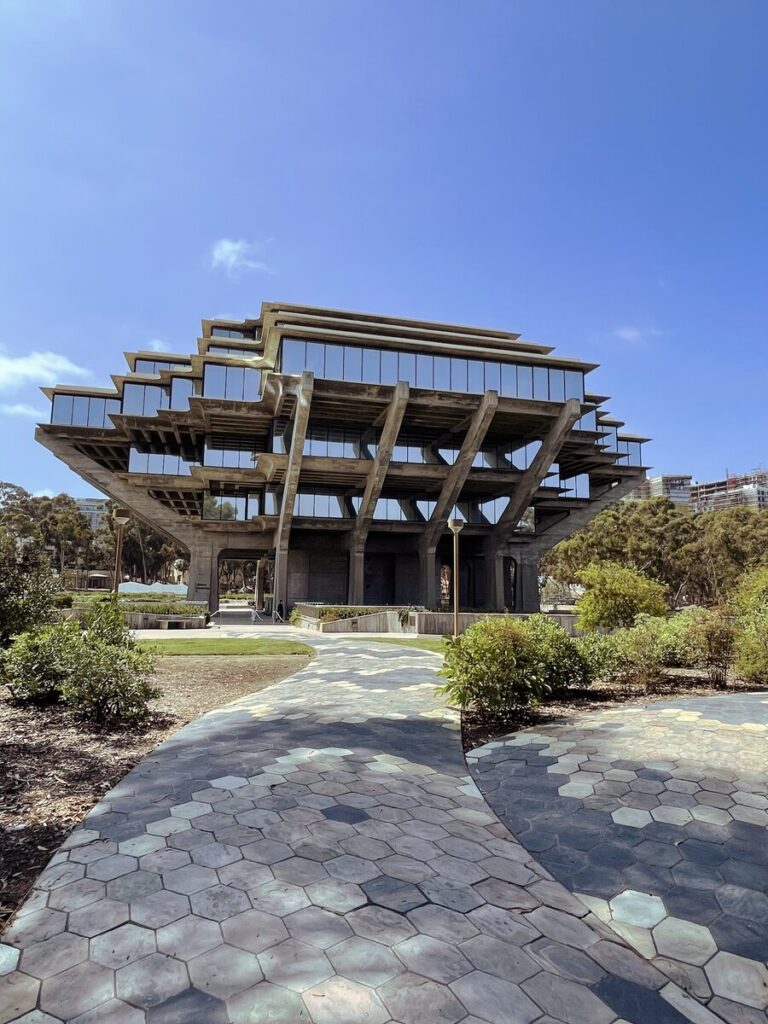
676	489
94	510
749	489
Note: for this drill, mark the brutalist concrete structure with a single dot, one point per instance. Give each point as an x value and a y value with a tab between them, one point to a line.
333	446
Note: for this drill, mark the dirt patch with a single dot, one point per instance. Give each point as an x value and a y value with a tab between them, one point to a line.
53	769
476	729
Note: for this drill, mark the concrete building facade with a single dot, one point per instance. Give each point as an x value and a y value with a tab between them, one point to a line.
750	489
676	488
94	510
333	446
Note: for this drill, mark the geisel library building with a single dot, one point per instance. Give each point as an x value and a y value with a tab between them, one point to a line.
334	446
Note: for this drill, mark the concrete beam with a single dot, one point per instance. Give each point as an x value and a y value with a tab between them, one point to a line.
290	487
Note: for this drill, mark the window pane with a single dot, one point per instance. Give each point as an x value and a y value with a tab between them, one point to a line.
493	377
336	443
406	367
525	382
137	461
508	380
371	365
540	383
214	381
133	400
294	356
334	362
353	363
389	367
112	405
476	376
442	373
316	358
458	374
574	384
95	412
556	386
61	409
425	373
251	385
181	392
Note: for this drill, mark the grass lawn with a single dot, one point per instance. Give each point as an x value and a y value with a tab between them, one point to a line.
226	645
436	644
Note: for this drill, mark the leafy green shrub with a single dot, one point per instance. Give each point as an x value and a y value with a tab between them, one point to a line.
163	607
492	668
682	641
751	646
26	586
110	684
560	660
639	653
615	595
63	599
751	592
104	621
600	654
37	664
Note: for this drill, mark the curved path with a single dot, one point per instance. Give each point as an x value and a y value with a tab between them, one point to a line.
657	818
315	852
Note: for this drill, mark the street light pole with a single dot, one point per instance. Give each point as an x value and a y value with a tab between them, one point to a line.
121	519
456	526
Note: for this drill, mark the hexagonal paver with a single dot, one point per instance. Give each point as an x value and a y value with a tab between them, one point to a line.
168	826
133	886
18	994
279	898
76	990
295	965
412	999
380	925
631	816
317	927
254	931
151	980
122	945
225	971
44	959
191	809
219	902
739	979
188	937
159	909
684	940
365	961
341	1001
637	908
267	1002
229	782
216	855
245	874
98	917
267	851
189	879
114	1011
433	958
501	959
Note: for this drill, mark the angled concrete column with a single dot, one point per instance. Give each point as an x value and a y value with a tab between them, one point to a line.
494	576
290	487
203	576
375	481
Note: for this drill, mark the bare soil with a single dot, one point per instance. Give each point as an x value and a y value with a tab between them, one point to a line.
54	768
477	729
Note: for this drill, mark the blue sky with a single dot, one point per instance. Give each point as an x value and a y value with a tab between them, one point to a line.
591	174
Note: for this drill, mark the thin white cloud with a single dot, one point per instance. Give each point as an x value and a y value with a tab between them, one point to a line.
45	493
22	409
157	345
41	368
236	256
633	335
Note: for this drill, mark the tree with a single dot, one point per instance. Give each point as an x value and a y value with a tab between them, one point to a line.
147	555
26	585
616	595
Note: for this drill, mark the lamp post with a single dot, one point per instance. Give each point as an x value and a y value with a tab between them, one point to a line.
121	520
456	526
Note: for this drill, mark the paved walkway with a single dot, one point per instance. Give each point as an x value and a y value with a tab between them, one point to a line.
316	852
658	818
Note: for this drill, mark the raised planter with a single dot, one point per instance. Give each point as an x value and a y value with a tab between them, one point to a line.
154	620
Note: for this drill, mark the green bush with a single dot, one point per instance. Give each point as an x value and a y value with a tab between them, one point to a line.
561	663
616	595
36	666
63	599
639	653
110	684
26	586
493	668
104	621
751	646
164	607
682	640
600	654
751	592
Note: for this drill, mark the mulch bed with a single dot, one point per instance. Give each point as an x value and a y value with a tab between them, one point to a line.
476	729
53	768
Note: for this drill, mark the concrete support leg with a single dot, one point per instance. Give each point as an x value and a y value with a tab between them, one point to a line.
203	578
356	588
494	579
280	588
428	577
527	598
